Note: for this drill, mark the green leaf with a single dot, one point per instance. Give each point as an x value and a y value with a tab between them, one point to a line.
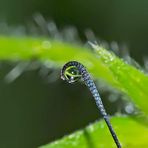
132	82
132	134
101	64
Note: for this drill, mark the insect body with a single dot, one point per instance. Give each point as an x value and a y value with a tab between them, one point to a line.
72	72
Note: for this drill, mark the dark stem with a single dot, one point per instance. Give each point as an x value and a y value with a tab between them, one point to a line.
92	87
106	118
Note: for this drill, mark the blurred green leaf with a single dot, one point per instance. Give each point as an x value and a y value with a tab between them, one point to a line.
101	64
132	134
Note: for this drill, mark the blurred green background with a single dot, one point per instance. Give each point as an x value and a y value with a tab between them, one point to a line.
36	110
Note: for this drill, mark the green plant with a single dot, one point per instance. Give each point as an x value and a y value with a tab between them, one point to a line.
103	65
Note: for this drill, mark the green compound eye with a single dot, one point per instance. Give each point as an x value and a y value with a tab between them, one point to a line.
72	74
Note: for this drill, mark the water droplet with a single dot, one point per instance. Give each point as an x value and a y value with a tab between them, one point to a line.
129	108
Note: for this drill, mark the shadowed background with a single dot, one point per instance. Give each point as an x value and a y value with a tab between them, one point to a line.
34	111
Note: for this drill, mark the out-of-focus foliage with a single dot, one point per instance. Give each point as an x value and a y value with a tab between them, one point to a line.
131	134
101	64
